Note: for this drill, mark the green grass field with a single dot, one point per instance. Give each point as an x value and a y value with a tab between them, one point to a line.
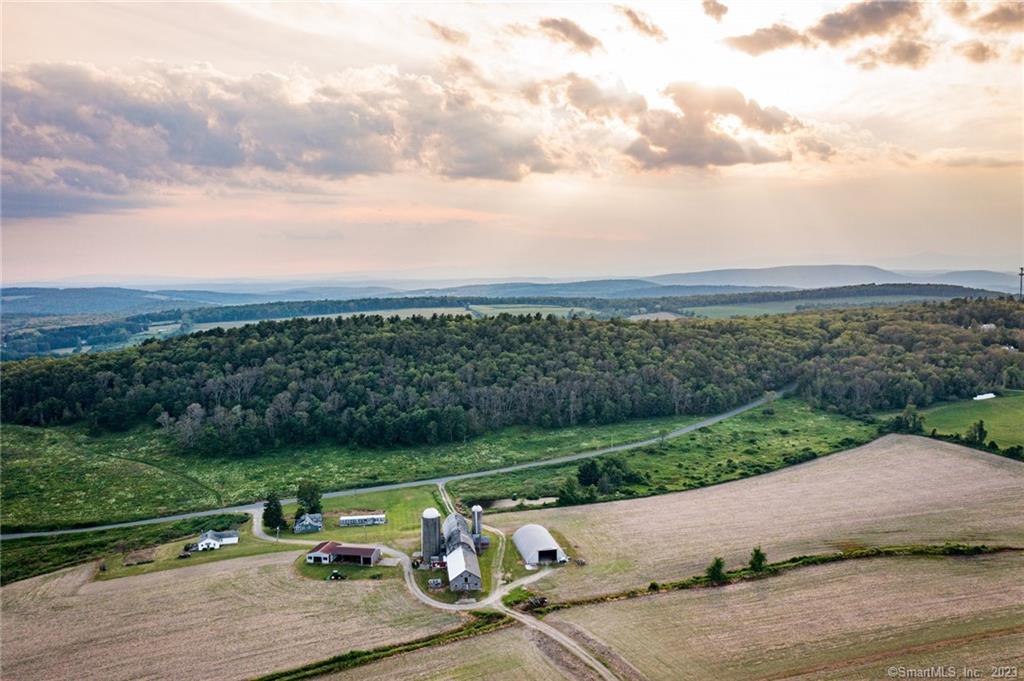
403	507
322	572
1003	417
742	446
61	476
24	558
166	556
493	310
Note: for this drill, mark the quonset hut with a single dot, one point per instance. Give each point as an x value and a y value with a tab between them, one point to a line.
536	545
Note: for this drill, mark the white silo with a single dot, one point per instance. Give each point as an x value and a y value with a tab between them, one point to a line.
430	533
478	520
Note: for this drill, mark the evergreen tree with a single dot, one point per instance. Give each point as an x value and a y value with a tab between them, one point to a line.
273	515
588	473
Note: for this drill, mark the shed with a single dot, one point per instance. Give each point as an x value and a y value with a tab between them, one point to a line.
334	552
309	522
536	545
356	520
212	540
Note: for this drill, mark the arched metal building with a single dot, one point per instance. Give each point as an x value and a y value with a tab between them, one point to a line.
536	545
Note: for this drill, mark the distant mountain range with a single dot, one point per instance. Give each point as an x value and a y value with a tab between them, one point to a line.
115	300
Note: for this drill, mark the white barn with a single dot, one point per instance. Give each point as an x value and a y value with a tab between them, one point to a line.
464	570
536	545
211	540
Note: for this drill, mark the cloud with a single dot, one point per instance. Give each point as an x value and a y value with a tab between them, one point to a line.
714	9
810	145
642	24
968	158
592	99
448	34
901	52
566	31
852	23
977	51
1004	17
695	137
763	40
863	19
78	139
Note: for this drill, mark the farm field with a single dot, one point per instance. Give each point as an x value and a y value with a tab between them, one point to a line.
895	490
507	655
491	310
786	306
401	312
745	445
62	476
1003	417
403	507
241	618
817	620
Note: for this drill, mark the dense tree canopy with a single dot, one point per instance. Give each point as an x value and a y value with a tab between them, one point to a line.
377	382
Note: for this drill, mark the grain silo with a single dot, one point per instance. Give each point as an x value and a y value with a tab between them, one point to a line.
430	533
478	520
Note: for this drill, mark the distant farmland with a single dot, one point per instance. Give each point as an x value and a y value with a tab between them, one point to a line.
785	306
899	489
1003	417
826	620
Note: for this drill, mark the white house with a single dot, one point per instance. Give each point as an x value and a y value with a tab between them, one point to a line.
211	540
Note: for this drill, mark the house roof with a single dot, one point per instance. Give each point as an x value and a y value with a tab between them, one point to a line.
218	536
333	548
311	518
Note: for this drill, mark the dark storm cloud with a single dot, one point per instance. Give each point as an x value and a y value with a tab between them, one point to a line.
763	40
693	137
714	9
566	31
642	24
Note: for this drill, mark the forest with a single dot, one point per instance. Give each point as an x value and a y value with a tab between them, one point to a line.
380	381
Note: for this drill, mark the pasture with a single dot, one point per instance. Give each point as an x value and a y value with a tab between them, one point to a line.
750	444
63	476
232	619
895	490
403	507
827	620
558	311
1003	417
788	306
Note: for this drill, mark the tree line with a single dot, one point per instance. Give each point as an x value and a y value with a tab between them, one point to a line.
376	381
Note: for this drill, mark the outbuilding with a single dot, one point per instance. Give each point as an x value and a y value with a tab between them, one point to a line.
333	552
363	519
536	545
212	540
464	570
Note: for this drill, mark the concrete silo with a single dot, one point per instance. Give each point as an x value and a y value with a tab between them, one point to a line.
430	534
478	520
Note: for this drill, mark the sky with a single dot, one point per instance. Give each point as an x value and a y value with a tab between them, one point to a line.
240	140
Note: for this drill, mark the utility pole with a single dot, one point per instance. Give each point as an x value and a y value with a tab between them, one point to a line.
1020	292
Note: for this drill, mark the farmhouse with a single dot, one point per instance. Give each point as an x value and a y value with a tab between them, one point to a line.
211	540
333	552
363	519
309	522
536	545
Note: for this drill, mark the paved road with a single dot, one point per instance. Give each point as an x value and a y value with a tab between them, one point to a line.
442	480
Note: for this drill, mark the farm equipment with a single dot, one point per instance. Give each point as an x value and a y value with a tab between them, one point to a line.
334	576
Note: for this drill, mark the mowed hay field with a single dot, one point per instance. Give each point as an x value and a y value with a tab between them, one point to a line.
233	619
898	489
507	655
820	622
